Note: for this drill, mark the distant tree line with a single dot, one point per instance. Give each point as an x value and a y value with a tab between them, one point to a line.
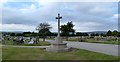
109	33
28	34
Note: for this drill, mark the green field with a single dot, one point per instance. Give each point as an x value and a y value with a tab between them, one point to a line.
10	53
41	43
0	53
95	41
107	42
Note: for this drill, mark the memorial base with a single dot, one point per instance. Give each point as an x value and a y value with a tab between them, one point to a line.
60	47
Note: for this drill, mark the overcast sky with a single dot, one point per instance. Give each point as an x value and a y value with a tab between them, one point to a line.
86	16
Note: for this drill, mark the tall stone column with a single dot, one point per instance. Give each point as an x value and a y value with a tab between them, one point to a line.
58	38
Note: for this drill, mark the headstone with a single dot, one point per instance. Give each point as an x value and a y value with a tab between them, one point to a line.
3	41
36	40
14	41
31	41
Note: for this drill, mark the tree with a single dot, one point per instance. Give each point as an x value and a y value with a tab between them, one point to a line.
34	34
19	34
27	34
115	33
53	34
104	35
101	34
93	34
43	29
118	35
109	33
85	34
12	34
96	34
79	34
67	29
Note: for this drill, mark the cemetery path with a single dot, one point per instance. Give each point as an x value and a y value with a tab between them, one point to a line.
101	48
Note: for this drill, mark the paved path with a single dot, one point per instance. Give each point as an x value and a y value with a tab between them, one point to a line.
101	48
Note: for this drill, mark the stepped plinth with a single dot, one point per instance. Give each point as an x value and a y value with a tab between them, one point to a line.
58	46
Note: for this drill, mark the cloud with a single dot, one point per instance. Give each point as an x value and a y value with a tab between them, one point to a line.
30	9
26	15
60	0
86	16
16	27
115	16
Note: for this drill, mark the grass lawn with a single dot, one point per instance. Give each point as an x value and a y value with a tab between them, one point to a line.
0	53
9	42
107	42
10	53
94	41
41	43
50	38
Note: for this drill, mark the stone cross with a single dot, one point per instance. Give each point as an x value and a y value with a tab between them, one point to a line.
59	17
58	46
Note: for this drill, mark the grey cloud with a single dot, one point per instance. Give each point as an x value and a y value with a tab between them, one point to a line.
77	12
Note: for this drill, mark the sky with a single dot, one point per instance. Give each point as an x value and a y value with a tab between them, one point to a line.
86	16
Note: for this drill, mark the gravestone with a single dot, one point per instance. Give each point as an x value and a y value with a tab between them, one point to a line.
14	41
3	41
83	40
58	46
31	41
36	40
26	40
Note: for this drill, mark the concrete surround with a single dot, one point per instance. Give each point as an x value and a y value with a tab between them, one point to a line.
58	46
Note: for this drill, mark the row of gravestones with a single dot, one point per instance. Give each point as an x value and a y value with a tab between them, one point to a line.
35	40
107	38
20	40
84	39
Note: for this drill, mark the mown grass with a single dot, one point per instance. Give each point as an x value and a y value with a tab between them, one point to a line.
9	42
95	41
0	42
51	38
0	53
41	43
11	53
107	42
